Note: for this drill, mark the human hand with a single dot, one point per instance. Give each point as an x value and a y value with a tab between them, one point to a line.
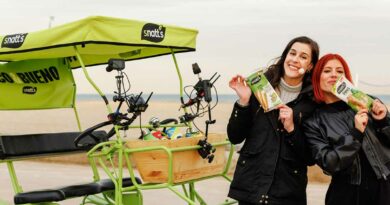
379	110
361	120
238	84
286	117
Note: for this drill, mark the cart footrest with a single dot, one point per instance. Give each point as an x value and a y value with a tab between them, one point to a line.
60	194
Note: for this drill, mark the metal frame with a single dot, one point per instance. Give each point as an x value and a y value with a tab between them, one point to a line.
107	153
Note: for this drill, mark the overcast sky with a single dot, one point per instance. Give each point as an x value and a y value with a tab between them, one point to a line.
235	36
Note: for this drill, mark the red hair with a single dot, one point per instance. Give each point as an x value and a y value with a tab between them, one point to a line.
316	75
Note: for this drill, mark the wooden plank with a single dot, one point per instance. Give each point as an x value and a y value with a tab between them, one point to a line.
187	165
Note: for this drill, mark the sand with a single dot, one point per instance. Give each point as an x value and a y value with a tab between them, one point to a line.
93	112
38	175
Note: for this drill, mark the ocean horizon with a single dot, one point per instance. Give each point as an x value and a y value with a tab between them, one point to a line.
225	98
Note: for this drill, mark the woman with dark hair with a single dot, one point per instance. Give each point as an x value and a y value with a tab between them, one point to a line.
353	147
271	168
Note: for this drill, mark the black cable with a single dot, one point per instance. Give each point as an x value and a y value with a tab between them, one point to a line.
193	122
216	96
128	81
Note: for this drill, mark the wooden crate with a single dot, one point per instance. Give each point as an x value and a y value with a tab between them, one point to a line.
187	165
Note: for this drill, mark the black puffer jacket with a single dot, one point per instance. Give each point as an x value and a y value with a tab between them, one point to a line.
335	142
271	167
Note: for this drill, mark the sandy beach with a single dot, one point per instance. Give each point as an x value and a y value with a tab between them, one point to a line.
93	112
38	175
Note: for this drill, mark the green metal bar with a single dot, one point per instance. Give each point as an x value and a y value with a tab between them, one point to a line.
179	74
114	180
199	198
131	172
90	80
118	180
181	84
192	194
151	126
191	202
95	172
96	88
170	150
94	199
77	117
192	190
108	199
229	159
14	180
100	145
184	189
120	175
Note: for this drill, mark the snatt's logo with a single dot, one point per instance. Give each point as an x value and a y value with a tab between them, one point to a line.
13	41
341	87
255	80
153	32
29	90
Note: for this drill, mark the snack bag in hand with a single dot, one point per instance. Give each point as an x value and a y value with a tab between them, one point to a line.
355	98
263	91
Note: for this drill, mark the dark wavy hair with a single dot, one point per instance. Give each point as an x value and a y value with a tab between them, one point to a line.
276	71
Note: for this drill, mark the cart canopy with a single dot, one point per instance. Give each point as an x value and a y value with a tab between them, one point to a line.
98	39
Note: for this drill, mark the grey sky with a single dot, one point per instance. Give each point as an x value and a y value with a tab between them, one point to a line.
234	36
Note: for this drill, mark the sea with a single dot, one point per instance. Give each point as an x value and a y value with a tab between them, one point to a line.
225	98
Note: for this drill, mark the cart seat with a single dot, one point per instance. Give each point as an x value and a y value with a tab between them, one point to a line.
63	193
19	146
107	184
38	196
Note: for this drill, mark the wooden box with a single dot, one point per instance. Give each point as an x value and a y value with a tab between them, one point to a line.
187	165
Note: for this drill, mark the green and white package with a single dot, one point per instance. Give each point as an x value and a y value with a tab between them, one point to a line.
263	91
355	98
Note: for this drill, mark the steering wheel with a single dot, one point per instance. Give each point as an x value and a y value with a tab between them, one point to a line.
89	133
167	121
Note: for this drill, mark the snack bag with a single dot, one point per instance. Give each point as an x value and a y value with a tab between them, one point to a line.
263	91
355	98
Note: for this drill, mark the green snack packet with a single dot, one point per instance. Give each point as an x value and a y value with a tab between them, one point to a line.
263	91
355	98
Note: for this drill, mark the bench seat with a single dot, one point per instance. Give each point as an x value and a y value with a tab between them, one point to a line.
49	195
19	146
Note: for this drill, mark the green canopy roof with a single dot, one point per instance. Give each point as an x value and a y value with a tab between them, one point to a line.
98	39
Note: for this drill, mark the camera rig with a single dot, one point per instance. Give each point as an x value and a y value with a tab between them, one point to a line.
135	103
202	92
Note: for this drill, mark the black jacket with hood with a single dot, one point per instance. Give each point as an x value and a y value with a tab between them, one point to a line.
271	168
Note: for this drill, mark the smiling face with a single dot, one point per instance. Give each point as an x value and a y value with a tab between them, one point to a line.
332	70
299	56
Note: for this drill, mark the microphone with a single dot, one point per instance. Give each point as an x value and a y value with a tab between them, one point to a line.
301	71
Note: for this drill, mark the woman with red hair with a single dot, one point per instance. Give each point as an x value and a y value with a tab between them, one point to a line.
352	147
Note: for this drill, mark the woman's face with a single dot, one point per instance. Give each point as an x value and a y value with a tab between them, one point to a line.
329	75
299	56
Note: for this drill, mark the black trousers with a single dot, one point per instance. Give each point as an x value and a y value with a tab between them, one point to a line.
374	192
273	202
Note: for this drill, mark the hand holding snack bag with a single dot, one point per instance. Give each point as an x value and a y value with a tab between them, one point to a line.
263	91
355	98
